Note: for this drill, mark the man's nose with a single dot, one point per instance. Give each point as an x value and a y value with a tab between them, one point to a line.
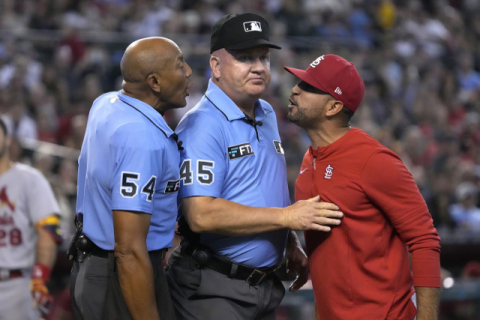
258	66
295	90
189	70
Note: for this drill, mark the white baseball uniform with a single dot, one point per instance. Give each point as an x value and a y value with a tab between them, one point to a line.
25	198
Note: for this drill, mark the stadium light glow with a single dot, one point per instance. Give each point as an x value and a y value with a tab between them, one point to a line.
448	283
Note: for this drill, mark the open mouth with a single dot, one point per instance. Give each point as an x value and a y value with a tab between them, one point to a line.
292	103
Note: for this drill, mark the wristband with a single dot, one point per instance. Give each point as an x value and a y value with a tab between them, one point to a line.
41	271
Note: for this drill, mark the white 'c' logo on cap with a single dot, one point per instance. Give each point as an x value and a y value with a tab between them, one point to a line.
316	62
250	26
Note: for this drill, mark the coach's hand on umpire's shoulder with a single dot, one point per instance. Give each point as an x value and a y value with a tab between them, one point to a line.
312	214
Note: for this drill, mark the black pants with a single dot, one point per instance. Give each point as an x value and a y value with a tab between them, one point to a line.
205	294
96	294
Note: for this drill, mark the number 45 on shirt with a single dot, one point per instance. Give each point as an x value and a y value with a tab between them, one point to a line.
204	175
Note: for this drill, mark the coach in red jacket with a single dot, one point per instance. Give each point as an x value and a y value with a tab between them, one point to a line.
361	269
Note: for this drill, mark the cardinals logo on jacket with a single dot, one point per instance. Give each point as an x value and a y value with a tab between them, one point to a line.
328	172
4	201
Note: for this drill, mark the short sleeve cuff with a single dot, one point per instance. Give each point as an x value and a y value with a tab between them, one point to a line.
143	209
185	193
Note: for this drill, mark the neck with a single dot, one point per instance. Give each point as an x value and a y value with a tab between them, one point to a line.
326	134
143	96
5	164
247	107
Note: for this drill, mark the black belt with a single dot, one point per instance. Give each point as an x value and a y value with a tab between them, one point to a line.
236	271
95	250
99	252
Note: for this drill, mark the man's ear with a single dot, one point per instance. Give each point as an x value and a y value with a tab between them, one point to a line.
334	107
153	81
215	66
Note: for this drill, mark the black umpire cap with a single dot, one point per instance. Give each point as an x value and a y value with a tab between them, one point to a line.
240	31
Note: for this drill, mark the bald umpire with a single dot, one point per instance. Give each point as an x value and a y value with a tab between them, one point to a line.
234	194
128	180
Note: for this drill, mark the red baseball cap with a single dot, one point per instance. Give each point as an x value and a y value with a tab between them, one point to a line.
335	75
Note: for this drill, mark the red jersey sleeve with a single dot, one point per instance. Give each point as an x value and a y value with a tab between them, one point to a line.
390	186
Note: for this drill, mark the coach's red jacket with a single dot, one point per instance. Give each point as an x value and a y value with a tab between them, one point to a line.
360	270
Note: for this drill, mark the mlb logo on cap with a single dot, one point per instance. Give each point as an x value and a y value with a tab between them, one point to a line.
250	26
240	31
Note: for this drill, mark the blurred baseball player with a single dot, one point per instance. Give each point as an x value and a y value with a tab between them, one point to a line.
29	233
361	269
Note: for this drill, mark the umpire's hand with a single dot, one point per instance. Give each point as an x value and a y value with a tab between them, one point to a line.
312	214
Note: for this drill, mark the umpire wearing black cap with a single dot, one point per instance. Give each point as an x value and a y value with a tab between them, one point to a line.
234	196
240	31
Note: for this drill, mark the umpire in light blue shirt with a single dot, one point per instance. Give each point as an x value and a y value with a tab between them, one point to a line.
236	223
128	180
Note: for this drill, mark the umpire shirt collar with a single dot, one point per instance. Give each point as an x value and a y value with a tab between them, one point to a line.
148	111
229	109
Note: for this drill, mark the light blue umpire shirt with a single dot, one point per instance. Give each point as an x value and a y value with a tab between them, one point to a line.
129	161
227	156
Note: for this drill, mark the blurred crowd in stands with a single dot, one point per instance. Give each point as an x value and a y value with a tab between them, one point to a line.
420	61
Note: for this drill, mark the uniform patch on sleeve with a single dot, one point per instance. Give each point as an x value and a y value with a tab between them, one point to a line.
172	186
240	151
52	225
278	146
